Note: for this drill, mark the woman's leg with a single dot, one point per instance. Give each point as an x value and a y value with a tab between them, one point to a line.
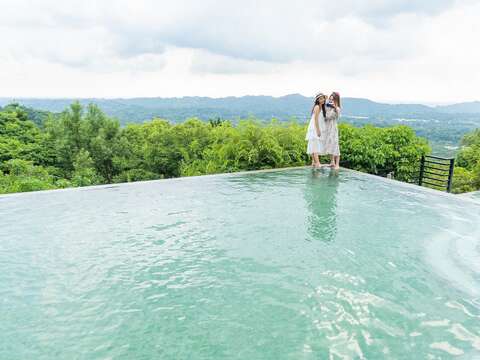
337	162
316	160
332	160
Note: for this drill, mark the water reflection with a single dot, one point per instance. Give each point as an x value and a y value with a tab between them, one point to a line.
321	197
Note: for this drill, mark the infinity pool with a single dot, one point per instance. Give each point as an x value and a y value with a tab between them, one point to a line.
289	264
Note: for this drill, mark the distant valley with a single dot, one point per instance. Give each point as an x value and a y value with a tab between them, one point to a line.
442	125
263	107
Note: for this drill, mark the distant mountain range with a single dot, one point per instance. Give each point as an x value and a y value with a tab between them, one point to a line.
263	107
472	107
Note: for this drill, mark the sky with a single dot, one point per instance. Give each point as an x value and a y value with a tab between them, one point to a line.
423	51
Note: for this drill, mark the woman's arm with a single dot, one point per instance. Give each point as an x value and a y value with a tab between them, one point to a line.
337	110
316	111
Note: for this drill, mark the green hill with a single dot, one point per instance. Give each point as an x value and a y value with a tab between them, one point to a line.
444	126
264	107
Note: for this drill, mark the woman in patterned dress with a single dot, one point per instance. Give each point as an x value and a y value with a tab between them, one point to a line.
329	137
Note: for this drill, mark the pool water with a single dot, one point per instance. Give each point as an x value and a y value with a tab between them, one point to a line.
475	195
291	264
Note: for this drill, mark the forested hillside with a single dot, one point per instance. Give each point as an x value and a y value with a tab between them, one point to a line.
83	146
262	107
443	126
472	107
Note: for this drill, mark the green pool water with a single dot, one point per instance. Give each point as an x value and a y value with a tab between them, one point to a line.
289	264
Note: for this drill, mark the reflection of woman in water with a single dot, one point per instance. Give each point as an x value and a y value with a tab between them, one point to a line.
321	198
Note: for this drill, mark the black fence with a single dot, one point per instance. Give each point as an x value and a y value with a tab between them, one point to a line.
436	172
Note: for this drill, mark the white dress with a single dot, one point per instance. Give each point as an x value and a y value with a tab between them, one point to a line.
314	142
329	135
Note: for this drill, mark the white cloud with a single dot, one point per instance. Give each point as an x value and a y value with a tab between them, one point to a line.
205	62
379	49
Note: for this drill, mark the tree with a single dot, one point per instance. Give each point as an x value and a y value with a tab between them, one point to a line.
20	138
382	150
82	146
18	175
462	181
76	131
467	169
84	171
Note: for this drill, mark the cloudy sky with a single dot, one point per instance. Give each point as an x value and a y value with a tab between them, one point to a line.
387	50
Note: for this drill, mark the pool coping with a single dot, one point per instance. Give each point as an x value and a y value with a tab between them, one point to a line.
471	194
180	178
421	188
247	172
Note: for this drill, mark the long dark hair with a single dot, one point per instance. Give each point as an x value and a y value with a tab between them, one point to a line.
336	98
317	102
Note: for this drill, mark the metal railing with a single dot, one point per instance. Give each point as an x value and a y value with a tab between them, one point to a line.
436	172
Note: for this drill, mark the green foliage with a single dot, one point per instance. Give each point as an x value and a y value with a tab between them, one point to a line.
38	117
472	138
82	146
443	126
468	157
248	146
76	131
382	150
20	138
215	122
84	173
21	175
467	170
462	180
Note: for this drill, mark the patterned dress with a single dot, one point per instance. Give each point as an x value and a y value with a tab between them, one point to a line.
329	135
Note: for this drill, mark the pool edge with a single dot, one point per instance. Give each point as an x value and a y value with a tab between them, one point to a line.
246	172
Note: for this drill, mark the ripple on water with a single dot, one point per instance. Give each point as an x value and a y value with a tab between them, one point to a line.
454	253
219	268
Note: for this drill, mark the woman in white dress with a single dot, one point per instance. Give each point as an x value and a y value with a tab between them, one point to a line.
329	137
314	131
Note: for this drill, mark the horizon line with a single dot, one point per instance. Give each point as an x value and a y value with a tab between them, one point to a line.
388	102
